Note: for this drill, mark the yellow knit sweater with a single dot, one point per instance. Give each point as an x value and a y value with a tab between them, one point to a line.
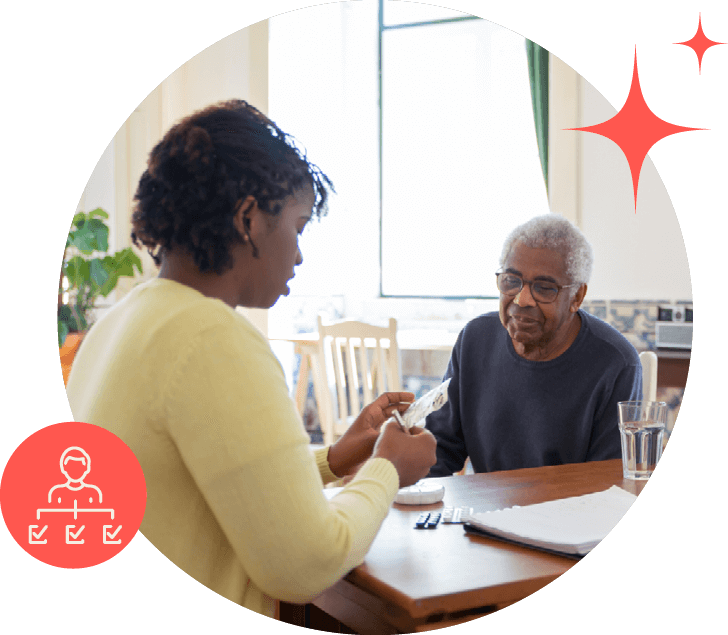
234	493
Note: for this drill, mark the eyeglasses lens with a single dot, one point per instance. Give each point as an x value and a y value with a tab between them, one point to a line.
545	292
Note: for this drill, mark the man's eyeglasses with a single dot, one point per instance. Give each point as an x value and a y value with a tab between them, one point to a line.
542	291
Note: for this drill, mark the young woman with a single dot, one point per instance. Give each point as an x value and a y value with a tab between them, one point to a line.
234	493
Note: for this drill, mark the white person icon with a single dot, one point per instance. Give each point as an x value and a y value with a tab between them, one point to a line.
75	466
84	517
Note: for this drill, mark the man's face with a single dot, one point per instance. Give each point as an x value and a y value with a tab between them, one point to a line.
75	467
530	324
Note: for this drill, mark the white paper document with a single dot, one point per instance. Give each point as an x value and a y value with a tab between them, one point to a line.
569	525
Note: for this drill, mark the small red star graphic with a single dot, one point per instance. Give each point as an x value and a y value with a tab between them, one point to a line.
635	129
700	43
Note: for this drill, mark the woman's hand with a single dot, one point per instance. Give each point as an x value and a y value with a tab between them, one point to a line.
412	457
411	452
357	443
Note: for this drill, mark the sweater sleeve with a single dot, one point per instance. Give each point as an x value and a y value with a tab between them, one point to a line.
321	455
240	437
605	440
445	424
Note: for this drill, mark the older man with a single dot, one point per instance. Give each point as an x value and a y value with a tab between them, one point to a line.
538	382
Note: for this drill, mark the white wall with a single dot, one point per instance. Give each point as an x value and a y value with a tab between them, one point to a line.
234	67
100	189
639	254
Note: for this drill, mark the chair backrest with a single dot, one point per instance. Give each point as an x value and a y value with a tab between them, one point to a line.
648	359
358	362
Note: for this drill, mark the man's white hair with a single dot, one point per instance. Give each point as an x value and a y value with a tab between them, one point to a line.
554	232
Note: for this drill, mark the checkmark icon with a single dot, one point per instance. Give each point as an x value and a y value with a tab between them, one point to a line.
76	535
109	536
72	538
34	538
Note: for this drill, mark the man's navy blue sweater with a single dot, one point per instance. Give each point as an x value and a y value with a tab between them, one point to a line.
506	412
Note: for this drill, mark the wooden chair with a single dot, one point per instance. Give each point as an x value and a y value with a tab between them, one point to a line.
648	359
356	363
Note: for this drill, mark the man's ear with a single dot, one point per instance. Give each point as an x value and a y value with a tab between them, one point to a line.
578	298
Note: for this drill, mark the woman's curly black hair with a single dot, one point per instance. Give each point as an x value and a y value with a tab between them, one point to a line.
204	168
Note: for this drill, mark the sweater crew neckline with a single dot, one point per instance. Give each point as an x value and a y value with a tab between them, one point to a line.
563	358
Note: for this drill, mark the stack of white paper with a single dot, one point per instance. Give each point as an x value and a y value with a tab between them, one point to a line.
569	525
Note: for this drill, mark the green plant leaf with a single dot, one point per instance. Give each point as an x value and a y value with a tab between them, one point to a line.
112	280
88	278
99	271
89	234
78	272
101	233
98	212
78	218
71	320
62	332
127	261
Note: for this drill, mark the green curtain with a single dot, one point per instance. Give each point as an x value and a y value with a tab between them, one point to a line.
538	75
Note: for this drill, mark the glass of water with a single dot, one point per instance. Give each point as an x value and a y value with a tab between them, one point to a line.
642	428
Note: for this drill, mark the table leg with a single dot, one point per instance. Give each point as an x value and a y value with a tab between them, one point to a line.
310	616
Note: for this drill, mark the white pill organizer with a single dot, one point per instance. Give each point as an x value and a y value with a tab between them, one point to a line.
421	493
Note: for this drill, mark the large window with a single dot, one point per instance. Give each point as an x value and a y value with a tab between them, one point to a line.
459	158
433	106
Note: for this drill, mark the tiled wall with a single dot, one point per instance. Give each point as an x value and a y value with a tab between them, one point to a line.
635	319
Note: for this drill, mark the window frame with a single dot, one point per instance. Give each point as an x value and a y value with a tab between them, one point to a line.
382	27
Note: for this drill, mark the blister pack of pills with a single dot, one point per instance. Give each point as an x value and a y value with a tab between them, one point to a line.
425	405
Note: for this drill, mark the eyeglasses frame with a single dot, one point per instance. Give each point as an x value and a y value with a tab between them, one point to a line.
530	283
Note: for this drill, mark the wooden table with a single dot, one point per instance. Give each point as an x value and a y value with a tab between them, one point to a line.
421	580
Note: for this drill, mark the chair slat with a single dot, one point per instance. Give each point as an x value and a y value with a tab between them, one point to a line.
366	377
357	373
340	379
382	367
352	379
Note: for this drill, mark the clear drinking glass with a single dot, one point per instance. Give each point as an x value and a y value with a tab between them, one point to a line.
642	427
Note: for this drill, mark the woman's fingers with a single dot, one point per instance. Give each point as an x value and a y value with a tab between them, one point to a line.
391	399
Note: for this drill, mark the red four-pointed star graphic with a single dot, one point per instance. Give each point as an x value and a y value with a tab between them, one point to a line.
700	43
635	129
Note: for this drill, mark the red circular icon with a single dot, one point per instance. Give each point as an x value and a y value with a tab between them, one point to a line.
73	495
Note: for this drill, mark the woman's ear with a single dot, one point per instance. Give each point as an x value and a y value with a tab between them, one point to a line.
249	221
241	220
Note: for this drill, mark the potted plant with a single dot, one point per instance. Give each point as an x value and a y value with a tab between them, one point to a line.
87	273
